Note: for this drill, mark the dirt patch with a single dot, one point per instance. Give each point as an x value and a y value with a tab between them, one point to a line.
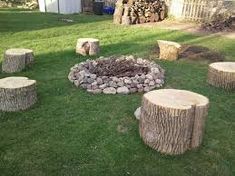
196	53
186	26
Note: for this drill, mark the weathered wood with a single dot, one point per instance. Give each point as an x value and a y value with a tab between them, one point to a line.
88	46
16	59
17	93
222	74
172	121
117	16
168	50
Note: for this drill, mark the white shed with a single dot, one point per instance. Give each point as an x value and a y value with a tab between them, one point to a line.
60	6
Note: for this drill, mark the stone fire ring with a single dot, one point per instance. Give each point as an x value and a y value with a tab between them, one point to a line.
117	75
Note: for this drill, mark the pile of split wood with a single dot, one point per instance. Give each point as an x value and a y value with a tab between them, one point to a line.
139	11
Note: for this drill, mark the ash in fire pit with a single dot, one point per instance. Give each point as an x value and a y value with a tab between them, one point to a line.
113	75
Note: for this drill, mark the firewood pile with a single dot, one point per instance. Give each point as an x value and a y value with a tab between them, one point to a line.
139	11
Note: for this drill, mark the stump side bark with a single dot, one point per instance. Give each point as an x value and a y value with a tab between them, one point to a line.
117	16
88	46
172	121
15	60
169	50
222	74
17	93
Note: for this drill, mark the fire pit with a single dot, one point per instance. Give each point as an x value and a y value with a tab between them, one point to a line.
112	75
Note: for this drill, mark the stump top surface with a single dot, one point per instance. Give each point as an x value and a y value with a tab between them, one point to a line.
224	66
18	51
15	82
88	40
178	99
177	45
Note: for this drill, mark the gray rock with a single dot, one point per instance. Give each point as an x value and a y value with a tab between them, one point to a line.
140	89
123	90
137	113
115	79
103	86
151	83
84	86
149	77
95	91
139	86
146	89
120	83
158	81
76	83
112	84
109	90
155	70
90	80
99	81
133	90
127	81
93	76
88	86
147	81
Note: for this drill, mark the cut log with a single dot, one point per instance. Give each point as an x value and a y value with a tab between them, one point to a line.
222	74
88	46
17	93
16	59
169	50
172	121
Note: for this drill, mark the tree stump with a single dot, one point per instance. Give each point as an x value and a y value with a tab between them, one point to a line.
17	93
88	46
172	121
117	16
169	50
16	59
222	74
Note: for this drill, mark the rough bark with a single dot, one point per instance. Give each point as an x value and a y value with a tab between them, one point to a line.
126	17
172	121
15	60
117	16
222	74
169	50
17	93
88	46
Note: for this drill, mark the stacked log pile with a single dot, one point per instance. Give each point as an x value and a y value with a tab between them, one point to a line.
139	11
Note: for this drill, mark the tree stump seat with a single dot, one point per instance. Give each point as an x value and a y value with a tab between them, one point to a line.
88	46
17	93
222	74
16	59
169	50
172	121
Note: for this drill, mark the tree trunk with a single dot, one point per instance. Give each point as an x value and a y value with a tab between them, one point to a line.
222	74
17	93
87	46
169	50
15	60
172	121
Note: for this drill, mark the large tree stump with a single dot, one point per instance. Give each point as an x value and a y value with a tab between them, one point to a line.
88	46
17	93
172	121
222	74
169	50
16	59
117	16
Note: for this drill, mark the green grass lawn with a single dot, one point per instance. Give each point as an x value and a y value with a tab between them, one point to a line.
71	132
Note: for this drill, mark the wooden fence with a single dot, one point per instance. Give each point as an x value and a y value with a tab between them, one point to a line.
195	10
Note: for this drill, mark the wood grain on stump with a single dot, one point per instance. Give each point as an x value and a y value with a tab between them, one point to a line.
88	46
172	121
169	50
16	59
17	93
222	74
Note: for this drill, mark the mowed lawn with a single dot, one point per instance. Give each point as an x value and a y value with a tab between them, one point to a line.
70	132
